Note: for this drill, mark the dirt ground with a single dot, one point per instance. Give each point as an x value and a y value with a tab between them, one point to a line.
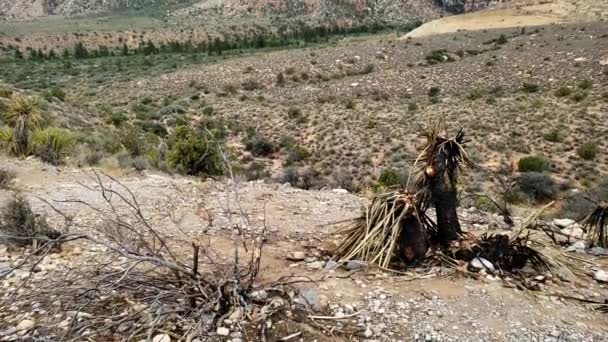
427	305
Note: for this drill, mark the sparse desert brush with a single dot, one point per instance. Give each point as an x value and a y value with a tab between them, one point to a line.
530	87
553	136
5	92
588	150
52	144
256	170
294	113
538	186
533	164
296	154
438	56
54	93
7	178
585	84
251	84
208	110
259	146
350	104
579	96
434	91
20	226
563	92
389	177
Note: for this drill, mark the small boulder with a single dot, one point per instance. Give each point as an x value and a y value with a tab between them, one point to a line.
601	276
353	265
330	265
259	295
563	223
579	245
161	338
222	331
25	325
296	256
599	251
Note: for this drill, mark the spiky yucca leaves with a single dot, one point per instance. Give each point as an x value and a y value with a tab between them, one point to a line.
51	144
392	228
7	139
443	160
23	115
596	226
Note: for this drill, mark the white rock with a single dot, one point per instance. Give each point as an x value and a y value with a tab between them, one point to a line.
161	338
601	276
259	295
296	256
223	331
482	264
563	223
340	191
26	324
368	333
578	245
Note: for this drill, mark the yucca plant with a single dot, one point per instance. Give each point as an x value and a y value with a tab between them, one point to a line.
392	228
51	144
596	225
23	116
7	139
443	160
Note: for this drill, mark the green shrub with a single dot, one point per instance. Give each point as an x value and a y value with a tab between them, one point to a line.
539	187
208	110
195	153
438	56
389	177
259	146
533	164
117	118
563	92
553	136
7	178
585	84
256	170
579	96
588	150
54	93
434	91
51	144
20	226
5	92
296	114
530	88
297	153
251	84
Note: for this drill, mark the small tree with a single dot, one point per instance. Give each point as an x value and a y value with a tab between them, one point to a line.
195	152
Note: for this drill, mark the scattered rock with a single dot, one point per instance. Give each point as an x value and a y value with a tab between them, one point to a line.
223	331
296	256
598	251
563	223
340	191
259	295
481	264
601	276
368	333
353	265
161	338
330	265
25	325
315	265
576	246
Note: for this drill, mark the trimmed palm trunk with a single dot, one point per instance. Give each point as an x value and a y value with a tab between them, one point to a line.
444	199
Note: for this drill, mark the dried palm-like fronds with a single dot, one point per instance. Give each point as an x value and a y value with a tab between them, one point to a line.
596	226
392	228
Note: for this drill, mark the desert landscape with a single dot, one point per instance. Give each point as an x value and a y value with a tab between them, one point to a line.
304	170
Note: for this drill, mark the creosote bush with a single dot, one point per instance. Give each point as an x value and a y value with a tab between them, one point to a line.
195	152
389	177
259	146
588	150
20	226
533	164
7	178
539	187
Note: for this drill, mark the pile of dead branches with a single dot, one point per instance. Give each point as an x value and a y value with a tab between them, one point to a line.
134	281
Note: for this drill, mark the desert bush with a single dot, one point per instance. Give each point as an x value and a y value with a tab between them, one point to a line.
20	226
581	203
93	157
412	106
195	152
579	96
434	91
296	153
438	56
54	93
563	92
22	116
345	181
52	144
502	40
530	87
553	136
259	146
389	177
539	187
588	150
533	164
7	178
351	104
208	110
251	84
585	84
256	170
5	92
290	175
153	127
117	118
280	79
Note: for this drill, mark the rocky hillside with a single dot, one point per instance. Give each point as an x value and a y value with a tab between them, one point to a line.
389	10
